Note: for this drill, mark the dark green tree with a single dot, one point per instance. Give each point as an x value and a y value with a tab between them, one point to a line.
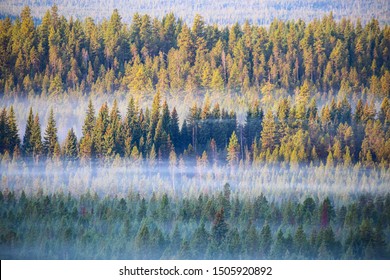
50	139
70	147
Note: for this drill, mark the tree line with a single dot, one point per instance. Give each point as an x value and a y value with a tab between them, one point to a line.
225	12
297	132
61	55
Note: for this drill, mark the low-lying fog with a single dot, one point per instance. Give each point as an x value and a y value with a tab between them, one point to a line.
120	177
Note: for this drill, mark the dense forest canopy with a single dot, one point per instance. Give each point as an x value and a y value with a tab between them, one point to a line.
294	134
167	54
220	226
222	12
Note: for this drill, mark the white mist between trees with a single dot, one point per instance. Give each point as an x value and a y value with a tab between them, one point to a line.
188	179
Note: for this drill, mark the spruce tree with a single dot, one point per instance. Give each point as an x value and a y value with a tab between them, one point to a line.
116	126
269	132
220	228
50	138
265	240
12	131
28	147
233	150
174	130
70	149
3	131
36	137
166	118
90	120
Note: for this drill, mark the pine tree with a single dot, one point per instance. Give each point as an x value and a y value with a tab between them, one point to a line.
116	126
90	120
174	130
109	142
217	82
3	130
142	242
12	131
70	147
233	150
86	149
220	228
347	157
265	240
50	138
165	117
300	241
36	138
28	147
155	115
99	131
269	132
199	241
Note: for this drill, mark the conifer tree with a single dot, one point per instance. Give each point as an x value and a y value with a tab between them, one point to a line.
116	126
28	147
3	130
265	240
90	120
165	117
36	137
220	228
12	131
70	148
269	132
233	150
155	114
50	139
99	131
174	130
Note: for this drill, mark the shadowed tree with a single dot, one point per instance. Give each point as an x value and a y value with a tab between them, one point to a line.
220	228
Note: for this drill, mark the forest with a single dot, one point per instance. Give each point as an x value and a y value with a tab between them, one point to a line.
160	139
61	55
295	134
60	226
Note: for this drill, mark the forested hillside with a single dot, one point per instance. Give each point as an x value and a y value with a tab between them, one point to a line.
169	55
222	12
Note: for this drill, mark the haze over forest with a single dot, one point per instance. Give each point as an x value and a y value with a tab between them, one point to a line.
142	137
222	12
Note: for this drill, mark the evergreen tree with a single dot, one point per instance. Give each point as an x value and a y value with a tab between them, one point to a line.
265	240
12	131
269	132
220	228
200	241
90	121
50	139
3	131
233	150
36	138
174	130
70	147
28	147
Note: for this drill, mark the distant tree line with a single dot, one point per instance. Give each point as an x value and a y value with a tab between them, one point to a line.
295	133
221	12
218	226
61	55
